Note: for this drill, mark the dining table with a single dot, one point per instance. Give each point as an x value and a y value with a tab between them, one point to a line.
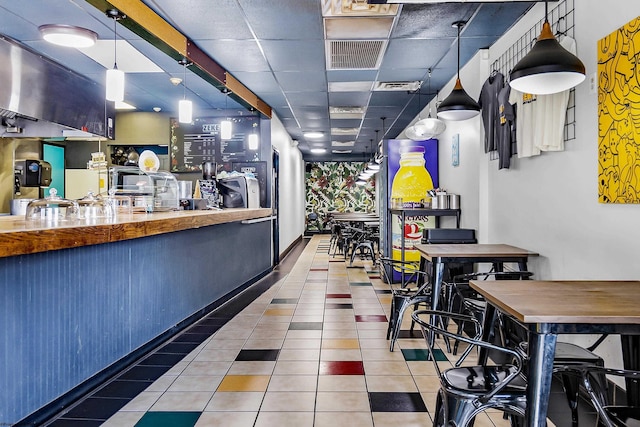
437	256
551	307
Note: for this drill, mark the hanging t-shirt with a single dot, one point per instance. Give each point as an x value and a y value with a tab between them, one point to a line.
541	118
489	104
506	134
555	110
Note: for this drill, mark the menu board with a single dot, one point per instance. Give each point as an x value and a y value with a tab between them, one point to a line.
199	141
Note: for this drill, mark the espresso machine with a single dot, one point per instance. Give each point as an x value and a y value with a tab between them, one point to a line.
206	195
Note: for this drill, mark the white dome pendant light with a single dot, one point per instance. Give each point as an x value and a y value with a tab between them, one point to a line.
458	105
427	128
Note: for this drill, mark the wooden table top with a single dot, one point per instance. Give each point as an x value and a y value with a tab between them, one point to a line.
474	250
569	302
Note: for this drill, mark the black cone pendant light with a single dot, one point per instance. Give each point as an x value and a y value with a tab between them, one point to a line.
458	105
548	67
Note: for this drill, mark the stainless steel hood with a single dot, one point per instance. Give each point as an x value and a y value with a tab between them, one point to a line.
36	89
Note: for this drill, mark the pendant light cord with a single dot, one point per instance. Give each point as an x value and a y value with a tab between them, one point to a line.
459	25
115	42
184	81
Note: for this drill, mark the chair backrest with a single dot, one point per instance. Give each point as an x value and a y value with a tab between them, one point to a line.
433	322
449	235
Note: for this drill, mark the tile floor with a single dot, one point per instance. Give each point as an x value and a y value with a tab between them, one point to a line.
310	351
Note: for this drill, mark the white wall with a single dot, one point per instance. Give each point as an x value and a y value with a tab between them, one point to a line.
549	203
291	178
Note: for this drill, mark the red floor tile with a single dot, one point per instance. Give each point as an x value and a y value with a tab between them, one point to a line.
372	318
338	295
342	368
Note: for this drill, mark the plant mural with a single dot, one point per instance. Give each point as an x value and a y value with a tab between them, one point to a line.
331	187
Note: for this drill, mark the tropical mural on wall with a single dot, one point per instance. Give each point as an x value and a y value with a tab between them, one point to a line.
331	187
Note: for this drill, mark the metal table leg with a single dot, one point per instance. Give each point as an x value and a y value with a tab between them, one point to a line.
542	348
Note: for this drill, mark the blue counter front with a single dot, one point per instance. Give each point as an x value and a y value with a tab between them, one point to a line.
69	314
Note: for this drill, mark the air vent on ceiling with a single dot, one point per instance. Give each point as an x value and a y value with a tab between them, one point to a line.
346	112
342	143
354	54
341	151
397	86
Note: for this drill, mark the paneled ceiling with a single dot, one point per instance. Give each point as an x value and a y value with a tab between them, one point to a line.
321	65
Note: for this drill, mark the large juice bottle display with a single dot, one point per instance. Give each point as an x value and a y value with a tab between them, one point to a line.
410	185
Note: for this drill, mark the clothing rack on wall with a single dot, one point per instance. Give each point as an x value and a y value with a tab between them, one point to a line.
562	20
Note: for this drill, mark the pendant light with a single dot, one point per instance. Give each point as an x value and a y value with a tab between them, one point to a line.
226	127
458	105
115	77
427	128
548	67
185	107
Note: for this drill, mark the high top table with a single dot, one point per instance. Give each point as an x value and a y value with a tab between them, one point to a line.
549	308
441	254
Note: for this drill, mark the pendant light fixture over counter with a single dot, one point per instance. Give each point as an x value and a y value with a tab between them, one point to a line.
548	67
226	126
458	105
115	77
185	107
254	140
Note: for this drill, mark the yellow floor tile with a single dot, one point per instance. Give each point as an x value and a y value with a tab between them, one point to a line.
244	383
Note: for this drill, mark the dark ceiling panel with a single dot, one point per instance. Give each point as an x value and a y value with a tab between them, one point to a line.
304	55
225	53
302	81
431	21
284	19
204	19
413	53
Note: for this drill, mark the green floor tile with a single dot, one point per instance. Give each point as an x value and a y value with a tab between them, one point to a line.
169	419
411	355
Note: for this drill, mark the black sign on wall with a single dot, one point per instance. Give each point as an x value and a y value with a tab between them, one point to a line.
197	142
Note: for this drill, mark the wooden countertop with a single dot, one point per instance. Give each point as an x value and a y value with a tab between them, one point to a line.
19	237
564	301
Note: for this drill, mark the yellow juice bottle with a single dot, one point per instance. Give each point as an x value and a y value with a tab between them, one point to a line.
410	184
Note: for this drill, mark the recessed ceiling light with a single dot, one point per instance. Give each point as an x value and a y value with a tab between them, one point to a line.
342	143
68	35
344	131
350	86
318	150
121	105
313	134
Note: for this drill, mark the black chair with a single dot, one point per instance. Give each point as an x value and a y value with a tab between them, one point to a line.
414	289
594	380
467	391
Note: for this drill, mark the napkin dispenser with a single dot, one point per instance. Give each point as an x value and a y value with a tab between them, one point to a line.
239	192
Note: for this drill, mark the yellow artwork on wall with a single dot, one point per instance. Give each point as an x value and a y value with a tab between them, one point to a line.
619	115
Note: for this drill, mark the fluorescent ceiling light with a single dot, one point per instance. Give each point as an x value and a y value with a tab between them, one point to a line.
130	60
356	113
318	150
68	35
313	134
342	144
341	151
356	8
121	105
350	86
344	131
357	28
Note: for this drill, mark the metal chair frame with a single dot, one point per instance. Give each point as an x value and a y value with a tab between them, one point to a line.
413	291
467	391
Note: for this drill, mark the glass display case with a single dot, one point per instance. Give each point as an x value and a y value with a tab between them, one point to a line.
149	191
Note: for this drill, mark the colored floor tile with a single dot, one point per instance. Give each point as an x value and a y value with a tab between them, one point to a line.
244	383
371	318
411	355
396	402
249	355
341	368
168	419
284	301
308	326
